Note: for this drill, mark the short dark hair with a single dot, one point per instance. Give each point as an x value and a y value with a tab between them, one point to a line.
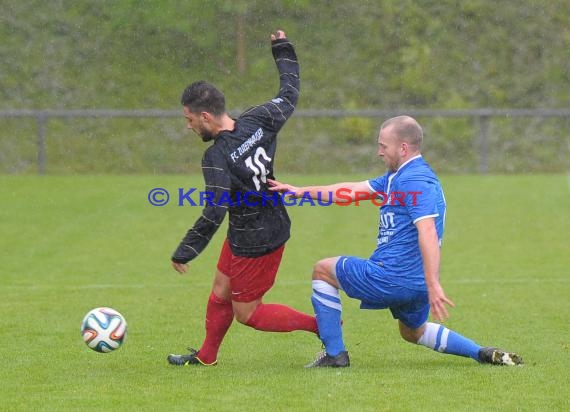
202	96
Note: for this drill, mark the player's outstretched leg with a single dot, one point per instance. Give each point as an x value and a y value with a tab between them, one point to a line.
496	356
274	317
444	340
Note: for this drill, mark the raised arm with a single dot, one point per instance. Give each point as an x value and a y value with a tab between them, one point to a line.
274	113
288	67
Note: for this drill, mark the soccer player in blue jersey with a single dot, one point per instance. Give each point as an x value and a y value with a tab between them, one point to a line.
402	274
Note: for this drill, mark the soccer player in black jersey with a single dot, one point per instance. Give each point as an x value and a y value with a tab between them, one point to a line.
236	168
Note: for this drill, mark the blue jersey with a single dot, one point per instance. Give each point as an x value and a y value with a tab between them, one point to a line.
410	194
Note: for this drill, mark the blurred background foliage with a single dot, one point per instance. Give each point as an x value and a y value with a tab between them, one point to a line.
383	54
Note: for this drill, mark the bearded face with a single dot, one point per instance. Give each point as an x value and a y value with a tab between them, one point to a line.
198	124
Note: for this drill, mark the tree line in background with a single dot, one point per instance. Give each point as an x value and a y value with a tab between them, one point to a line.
134	54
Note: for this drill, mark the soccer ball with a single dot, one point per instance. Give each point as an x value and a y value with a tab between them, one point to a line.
104	329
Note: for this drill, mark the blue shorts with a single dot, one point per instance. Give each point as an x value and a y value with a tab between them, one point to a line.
368	282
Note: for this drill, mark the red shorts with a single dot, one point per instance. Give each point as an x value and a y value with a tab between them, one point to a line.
250	278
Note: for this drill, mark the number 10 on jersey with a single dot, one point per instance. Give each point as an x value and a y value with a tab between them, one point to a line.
257	163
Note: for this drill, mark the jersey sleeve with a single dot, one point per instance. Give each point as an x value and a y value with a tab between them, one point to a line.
274	113
218	183
420	199
378	184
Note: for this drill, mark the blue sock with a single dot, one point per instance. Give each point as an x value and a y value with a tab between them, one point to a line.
328	309
441	339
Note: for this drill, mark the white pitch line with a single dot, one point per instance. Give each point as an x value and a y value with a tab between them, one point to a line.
278	283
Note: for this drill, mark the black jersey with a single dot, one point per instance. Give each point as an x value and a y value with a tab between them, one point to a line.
236	168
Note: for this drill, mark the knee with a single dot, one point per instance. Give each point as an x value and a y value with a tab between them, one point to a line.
221	286
324	270
410	334
242	315
242	318
320	271
410	337
243	312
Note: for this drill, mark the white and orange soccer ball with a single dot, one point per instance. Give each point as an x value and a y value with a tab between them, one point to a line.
104	329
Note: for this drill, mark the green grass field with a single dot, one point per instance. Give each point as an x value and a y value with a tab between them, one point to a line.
72	243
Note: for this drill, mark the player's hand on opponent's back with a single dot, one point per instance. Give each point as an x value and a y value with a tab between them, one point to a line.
279	34
276	186
180	267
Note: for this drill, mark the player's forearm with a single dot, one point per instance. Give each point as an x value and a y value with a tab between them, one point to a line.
288	67
338	192
198	237
429	247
